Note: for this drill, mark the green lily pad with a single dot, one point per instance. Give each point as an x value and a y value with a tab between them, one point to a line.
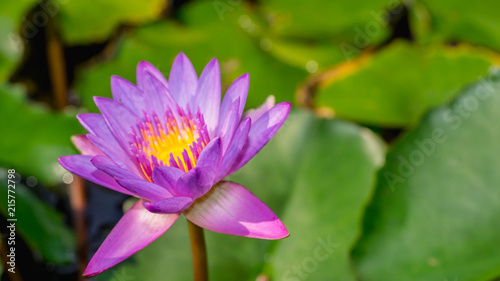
82	22
34	137
434	215
40	225
461	20
12	43
327	19
397	85
305	175
237	50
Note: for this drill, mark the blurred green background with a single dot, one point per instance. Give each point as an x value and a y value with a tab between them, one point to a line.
386	169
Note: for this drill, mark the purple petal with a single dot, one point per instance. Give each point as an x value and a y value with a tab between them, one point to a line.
85	146
119	118
114	152
256	113
104	139
183	80
128	94
172	205
136	229
80	165
157	95
106	165
229	125
261	132
145	68
96	125
207	97
144	189
196	182
210	155
231	209
237	143
238	89
167	177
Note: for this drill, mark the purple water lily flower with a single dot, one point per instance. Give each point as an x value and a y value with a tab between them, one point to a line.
170	143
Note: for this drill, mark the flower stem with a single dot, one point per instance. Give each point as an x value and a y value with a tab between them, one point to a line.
198	249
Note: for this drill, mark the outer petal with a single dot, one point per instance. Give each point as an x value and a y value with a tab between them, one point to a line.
80	165
96	125
172	205
207	97
105	164
183	80
120	119
238	89
144	189
230	208
261	132
237	143
167	177
116	153
102	137
256	113
136	229
85	146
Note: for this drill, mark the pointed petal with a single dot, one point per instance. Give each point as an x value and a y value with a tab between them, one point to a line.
230	208
136	229
238	89
128	94
144	189
145	68
106	165
207	97
102	137
261	132
85	146
157	95
167	177
196	182
95	124
210	155
229	125
172	205
256	113
237	143
116	153
80	165
183	80
119	118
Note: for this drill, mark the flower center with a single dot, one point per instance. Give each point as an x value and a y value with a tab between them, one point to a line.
176	142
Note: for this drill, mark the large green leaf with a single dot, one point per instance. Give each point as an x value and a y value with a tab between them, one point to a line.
238	52
93	21
40	225
327	19
33	137
399	84
457	20
13	37
317	175
435	212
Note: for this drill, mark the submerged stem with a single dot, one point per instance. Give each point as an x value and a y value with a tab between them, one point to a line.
199	252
